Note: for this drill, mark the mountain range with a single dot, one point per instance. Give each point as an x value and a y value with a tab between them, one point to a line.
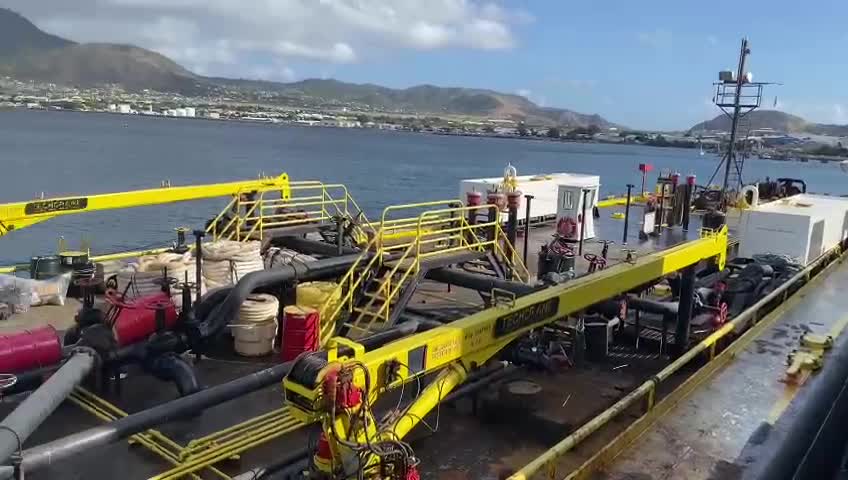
28	53
778	121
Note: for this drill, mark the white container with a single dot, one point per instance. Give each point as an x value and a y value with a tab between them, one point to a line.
543	187
801	227
570	206
256	339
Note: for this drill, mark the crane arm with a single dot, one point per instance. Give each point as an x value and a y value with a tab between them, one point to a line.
14	216
337	386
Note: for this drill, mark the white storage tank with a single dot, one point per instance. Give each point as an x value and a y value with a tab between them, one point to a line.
802	227
180	112
190	112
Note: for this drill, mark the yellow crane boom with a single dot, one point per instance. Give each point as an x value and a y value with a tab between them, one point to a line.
14	216
337	386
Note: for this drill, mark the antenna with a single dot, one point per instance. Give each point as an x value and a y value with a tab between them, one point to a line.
736	95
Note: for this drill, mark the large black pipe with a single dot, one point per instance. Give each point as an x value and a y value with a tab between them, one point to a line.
684	310
474	281
170	367
811	430
652	306
89	440
218	318
306	245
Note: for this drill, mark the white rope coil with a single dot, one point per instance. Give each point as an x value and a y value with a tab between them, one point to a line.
142	275
227	261
257	328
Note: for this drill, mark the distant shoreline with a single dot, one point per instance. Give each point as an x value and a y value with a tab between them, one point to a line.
277	122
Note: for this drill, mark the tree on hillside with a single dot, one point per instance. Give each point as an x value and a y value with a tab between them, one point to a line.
553	132
593	129
489	129
362	118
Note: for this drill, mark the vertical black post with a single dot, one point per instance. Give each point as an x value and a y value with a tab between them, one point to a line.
684	310
528	199
340	222
512	219
659	214
473	199
687	203
638	325
513	201
494	216
582	222
198	265
627	213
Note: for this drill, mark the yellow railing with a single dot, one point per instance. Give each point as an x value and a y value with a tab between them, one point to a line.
752	322
410	240
250	213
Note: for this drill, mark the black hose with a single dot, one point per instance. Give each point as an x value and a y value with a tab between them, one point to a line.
651	306
170	367
209	326
57	450
86	440
479	282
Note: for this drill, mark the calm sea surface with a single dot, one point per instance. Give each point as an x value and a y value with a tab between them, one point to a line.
61	153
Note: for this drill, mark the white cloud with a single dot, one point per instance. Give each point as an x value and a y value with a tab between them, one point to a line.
524	92
220	35
658	38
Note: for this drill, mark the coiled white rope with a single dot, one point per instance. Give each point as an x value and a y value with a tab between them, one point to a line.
141	276
226	261
257	327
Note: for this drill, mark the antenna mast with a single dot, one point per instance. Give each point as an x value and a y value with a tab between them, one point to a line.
736	95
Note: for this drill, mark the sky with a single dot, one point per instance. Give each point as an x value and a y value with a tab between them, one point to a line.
648	64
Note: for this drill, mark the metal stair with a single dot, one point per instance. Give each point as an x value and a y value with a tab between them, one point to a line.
380	284
383	298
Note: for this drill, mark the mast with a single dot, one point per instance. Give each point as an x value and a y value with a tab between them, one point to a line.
737	96
731	149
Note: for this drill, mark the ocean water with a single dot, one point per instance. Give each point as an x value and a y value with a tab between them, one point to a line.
64	153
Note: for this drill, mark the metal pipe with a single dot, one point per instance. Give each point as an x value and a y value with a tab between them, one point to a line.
527	199
60	449
627	213
473	281
16	428
198	262
582	222
684	310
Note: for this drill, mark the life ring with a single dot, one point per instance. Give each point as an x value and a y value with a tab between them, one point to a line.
754	192
567	227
